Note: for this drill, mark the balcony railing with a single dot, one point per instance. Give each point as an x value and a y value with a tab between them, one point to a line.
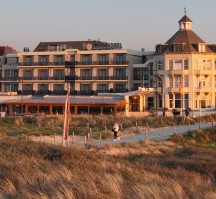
8	78
41	64
102	63
93	78
42	78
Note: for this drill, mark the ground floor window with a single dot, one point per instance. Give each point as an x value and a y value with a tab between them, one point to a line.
178	101
170	101
186	100
150	102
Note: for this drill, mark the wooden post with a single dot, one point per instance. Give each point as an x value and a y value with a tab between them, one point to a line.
85	141
100	140
68	140
159	133
88	137
73	138
136	123
146	134
188	126
54	139
148	126
174	130
90	131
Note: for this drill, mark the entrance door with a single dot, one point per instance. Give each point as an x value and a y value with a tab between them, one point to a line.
134	103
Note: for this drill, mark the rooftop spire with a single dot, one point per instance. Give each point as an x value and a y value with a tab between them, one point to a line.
185	11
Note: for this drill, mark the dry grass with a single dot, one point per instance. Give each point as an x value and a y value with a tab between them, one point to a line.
144	170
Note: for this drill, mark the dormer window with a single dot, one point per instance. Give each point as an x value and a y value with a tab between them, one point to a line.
178	48
202	48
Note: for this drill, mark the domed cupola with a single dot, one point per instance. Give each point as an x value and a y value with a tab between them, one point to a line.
185	23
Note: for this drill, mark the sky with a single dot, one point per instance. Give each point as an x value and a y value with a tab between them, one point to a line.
134	23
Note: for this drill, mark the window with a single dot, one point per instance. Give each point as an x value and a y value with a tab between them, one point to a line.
27	87
103	59
145	74
43	59
170	64
178	48
160	65
58	73
85	87
137	74
170	101
186	100
177	65
151	69
150	101
72	58
85	73
28	59
14	73
102	87
120	57
7	73
120	72
186	81
177	79
86	59
177	100
27	73
171	81
120	87
43	73
186	64
136	86
43	87
208	65
58	87
59	59
201	48
101	73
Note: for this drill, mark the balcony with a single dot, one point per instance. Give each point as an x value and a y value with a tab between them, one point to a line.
8	78
59	92
95	63
95	78
70	63
43	92
26	92
41	78
41	64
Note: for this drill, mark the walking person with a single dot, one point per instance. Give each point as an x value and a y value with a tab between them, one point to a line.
187	111
115	130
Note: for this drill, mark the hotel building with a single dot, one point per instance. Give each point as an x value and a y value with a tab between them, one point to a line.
90	67
185	67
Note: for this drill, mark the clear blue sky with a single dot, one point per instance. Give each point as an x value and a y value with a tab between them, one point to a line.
134	23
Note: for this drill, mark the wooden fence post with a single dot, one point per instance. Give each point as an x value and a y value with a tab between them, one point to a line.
148	126
73	138
100	140
85	140
54	138
174	130
146	134
159	132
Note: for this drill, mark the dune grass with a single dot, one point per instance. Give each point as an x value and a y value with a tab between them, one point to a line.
154	170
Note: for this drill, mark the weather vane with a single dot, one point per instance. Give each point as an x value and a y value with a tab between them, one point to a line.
185	10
